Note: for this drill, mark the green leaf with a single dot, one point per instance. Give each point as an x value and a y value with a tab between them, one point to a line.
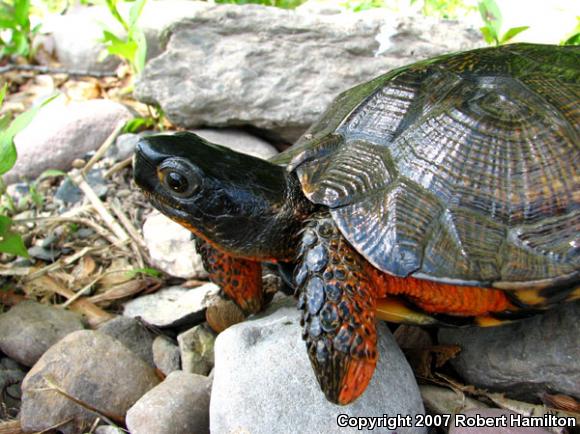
3	93
135	12
50	173
111	37
7	153
512	33
124	49
488	35
148	271
10	242
137	124
112	5
572	40
21	12
491	16
140	55
5	121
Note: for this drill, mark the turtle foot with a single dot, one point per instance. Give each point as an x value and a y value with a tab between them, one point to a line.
338	312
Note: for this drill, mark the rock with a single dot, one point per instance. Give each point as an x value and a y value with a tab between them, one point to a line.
29	329
239	141
78	33
497	415
132	334
263	379
523	358
62	133
441	400
221	314
196	346
408	336
172	306
278	69
171	248
11	376
166	355
69	193
92	367
108	429
124	147
179	405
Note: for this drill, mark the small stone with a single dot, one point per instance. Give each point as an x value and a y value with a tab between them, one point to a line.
11	376
78	163
524	358
69	193
171	248
132	334
166	355
222	313
196	348
29	329
124	147
173	306
62	133
94	368
47	255
108	429
179	405
239	141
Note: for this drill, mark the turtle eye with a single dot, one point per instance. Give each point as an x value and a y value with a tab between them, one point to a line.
179	177
176	182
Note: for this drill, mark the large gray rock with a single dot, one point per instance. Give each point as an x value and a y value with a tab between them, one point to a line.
93	368
179	405
171	248
60	133
278	69
263	382
173	306
29	329
523	358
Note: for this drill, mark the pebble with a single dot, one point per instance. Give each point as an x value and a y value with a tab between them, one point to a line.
173	306
29	328
179	405
196	346
92	367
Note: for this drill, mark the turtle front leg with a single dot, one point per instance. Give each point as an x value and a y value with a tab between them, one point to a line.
338	312
240	279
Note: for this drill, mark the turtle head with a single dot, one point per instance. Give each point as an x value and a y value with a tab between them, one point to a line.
243	205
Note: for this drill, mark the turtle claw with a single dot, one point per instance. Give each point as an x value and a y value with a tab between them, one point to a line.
338	315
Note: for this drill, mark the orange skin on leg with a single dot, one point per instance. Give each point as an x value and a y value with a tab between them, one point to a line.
436	297
240	279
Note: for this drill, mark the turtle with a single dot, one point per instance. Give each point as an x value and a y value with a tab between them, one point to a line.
445	192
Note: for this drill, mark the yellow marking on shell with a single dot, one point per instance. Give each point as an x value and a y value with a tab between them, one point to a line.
392	310
531	297
488	321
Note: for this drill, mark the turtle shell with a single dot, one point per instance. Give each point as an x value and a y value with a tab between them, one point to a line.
459	169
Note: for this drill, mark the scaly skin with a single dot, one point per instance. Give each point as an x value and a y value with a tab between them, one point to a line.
338	312
240	279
